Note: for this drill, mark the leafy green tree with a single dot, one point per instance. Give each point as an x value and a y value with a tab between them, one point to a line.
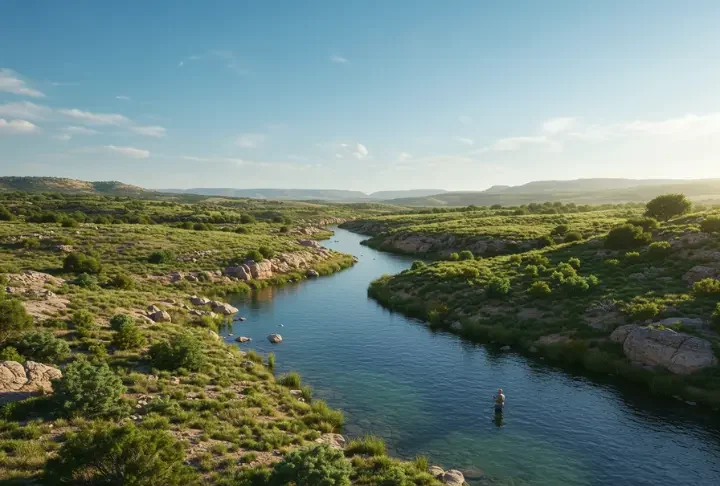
498	287
540	289
77	262
128	336
627	236
668	206
160	257
181	351
118	320
466	255
573	236
320	466
43	346
90	390
254	255
13	318
417	264
120	456
247	219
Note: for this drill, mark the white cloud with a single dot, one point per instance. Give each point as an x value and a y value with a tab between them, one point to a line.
17	127
80	130
339	60
150	131
132	152
250	140
360	151
404	156
465	120
227	57
25	110
689	125
63	137
122	98
464	140
96	118
10	82
557	125
512	144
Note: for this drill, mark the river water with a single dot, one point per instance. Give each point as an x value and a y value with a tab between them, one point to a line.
429	393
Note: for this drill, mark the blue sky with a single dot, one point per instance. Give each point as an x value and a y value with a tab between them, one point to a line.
365	95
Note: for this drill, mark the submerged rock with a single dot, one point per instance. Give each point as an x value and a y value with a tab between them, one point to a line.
275	338
312	273
243	339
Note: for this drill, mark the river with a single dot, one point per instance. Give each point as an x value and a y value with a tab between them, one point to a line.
429	393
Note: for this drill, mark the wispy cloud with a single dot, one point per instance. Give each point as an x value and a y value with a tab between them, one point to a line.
464	140
339	60
17	127
150	131
25	110
404	157
132	152
96	118
122	98
250	140
80	130
227	57
10	82
554	126
63	137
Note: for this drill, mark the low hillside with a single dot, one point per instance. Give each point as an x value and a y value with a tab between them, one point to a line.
69	186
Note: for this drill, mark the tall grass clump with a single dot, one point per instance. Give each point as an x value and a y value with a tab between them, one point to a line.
369	445
291	380
271	361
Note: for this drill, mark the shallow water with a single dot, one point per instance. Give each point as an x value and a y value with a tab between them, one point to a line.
431	393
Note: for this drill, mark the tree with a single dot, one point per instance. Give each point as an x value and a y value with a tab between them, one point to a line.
254	255
181	351
466	255
121	281
117	321
668	206
43	346
80	263
162	256
13	318
120	456
247	219
90	391
128	336
711	224
5	215
498	287
320	466
627	236
266	252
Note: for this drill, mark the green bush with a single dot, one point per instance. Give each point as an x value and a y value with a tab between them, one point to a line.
13	318
706	286
68	223
160	257
531	270
241	230
453	257
574	262
643	311
266	252
632	255
535	258
31	243
466	255
254	255
545	241
716	317
575	285
573	236
247	219
668	206
121	281
319	466
11	354
43	346
612	261
183	351
80	263
566	269
647	224
470	272
83	322
659	250
5	215
128	336
627	236
125	455
498	287
290	380
711	224
369	445
417	264
90	391
86	281
540	289
560	230
117	321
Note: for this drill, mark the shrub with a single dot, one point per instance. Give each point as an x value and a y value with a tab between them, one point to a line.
716	317
271	361
125	455
668	206
574	262
612	261
560	230
470	272
540	289
266	252
706	286
711	224
117	321
181	351
90	391
43	346
160	257
632	255
319	466
291	380
80	263
466	255
13	318
566	269
241	230
11	354
626	236
367	446
531	270
516	259
573	236
658	250
453	257
643	311
86	281
128	336
545	241
498	287
592	280
31	243
5	215
121	281
254	255
575	285
83	322
247	219
647	224
417	264
68	223
535	258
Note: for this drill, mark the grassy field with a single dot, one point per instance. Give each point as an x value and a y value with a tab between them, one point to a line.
563	301
201	411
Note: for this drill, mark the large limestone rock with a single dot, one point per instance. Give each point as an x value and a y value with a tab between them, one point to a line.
261	270
309	243
677	352
275	338
199	300
336	441
19	381
160	316
223	308
241	272
453	477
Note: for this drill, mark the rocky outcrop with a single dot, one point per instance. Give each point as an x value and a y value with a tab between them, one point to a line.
18	381
336	441
282	263
223	308
275	338
679	353
700	272
446	243
312	273
199	300
453	477
309	243
160	316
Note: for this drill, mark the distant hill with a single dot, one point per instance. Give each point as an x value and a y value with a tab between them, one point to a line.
69	186
382	195
336	195
581	191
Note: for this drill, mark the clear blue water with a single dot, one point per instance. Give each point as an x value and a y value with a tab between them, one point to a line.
431	393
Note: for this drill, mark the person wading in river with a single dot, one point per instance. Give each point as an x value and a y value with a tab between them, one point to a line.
499	401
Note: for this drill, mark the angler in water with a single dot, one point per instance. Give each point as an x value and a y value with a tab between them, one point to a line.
499	401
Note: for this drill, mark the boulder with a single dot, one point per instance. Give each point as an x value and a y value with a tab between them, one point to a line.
506	348
275	338
436	471
199	300
261	270
312	273
309	243
160	316
239	319
152	309
453	477
456	326
700	272
19	381
336	441
679	353
695	322
238	271
243	339
223	308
